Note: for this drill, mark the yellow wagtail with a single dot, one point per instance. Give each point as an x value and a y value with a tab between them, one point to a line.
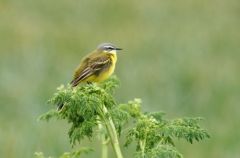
96	66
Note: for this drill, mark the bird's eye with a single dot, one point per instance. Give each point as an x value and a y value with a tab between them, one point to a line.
109	48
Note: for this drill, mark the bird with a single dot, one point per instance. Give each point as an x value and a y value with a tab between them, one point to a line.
97	66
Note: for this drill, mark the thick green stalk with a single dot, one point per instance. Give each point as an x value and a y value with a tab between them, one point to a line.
142	144
112	133
104	140
104	147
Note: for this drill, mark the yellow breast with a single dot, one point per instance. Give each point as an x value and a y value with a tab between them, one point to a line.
106	74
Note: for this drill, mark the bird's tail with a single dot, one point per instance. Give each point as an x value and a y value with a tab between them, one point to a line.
60	106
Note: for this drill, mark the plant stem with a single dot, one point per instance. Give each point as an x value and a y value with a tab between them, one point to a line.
104	148
104	140
112	133
142	144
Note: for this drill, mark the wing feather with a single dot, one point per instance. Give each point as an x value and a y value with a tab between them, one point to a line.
90	67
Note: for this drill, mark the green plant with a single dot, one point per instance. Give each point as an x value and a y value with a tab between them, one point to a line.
91	109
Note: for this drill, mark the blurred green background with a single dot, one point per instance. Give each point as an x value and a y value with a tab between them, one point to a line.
181	57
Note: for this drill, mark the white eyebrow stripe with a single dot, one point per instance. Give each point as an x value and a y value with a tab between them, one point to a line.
108	47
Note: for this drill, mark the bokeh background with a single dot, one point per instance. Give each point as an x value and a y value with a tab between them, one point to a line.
181	57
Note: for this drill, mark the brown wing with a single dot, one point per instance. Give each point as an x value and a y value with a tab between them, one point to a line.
91	66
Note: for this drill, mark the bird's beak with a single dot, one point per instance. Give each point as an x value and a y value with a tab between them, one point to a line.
118	49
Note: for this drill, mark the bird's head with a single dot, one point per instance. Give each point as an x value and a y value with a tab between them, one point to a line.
108	48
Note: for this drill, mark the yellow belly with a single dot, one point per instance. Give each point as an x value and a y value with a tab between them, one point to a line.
106	74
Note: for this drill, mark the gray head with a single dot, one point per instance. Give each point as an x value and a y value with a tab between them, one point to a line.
108	48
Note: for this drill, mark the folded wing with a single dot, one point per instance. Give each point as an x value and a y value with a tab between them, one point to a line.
90	67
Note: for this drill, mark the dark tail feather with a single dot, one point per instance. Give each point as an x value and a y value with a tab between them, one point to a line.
60	106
